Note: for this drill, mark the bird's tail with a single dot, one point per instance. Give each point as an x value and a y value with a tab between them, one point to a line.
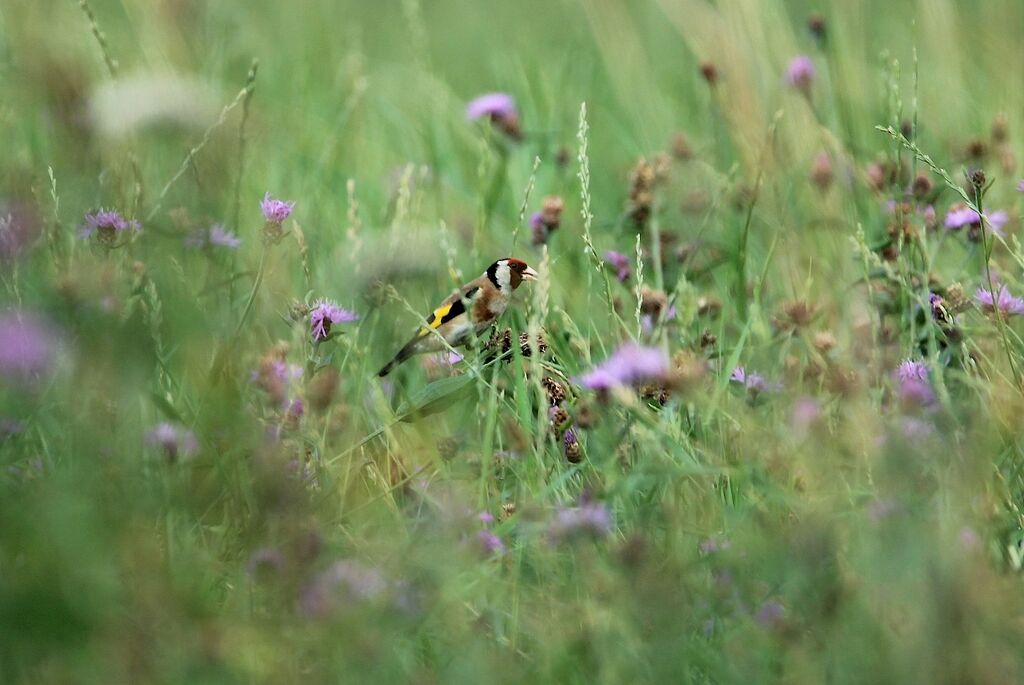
403	354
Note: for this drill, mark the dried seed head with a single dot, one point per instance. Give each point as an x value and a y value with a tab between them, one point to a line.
524	344
563	156
707	339
652	301
708	305
709	71
816	25
584	415
558	418
1000	128
976	149
821	171
506	511
553	389
323	388
551	211
978	178
573	452
798	313
824	341
922	186
681	149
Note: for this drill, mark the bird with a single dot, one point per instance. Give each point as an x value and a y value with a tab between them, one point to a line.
473	307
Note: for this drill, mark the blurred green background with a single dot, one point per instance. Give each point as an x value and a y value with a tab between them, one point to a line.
869	543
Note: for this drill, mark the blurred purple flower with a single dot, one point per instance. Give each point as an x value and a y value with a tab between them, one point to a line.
276	211
914	387
485	517
620	263
589	519
490	543
1007	303
176	441
806	413
107	225
325	314
959	216
770	614
214	236
27	345
754	382
342	581
493	105
265	561
629	365
1020	186
884	508
997	220
911	370
801	72
914	428
18	228
968	538
9	427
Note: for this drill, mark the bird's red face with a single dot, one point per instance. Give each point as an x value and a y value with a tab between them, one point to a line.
519	272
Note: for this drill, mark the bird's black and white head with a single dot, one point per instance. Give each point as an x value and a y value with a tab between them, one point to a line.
506	274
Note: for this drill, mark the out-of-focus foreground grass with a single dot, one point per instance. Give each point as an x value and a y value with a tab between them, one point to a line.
193	491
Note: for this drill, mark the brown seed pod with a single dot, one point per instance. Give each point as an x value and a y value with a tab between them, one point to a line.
555	391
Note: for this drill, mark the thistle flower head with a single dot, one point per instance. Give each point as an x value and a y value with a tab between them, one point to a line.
913	386
214	236
107	225
276	211
175	441
631	364
801	72
27	345
588	519
620	263
1003	300
492	105
324	314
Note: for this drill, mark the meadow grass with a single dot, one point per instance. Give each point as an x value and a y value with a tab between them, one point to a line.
757	421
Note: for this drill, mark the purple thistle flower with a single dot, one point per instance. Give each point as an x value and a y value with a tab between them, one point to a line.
1020	186
276	211
492	105
27	346
342	581
107	225
589	519
959	216
914	388
214	236
754	382
485	517
325	314
998	219
1007	303
620	263
176	441
629	365
222	237
490	543
911	370
801	72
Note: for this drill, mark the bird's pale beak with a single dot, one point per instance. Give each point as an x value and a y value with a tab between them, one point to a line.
529	274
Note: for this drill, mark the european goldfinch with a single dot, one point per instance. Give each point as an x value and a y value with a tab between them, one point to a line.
474	306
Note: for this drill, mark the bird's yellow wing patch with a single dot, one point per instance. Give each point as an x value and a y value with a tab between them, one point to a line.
436	319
